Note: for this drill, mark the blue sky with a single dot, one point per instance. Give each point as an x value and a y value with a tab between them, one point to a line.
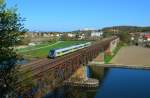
67	15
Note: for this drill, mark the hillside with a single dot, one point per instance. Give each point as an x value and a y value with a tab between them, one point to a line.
126	29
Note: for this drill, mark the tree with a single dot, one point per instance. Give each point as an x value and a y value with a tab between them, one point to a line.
11	31
124	37
107	34
65	37
25	41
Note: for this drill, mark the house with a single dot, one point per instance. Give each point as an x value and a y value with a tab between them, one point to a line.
82	36
71	35
147	37
96	34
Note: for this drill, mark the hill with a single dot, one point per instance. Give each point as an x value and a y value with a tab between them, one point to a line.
128	29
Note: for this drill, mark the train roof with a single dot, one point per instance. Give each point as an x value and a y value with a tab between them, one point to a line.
70	47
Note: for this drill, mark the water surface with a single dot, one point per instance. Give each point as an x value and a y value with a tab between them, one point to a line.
125	83
114	83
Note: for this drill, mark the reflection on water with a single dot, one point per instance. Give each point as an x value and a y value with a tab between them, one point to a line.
72	93
114	83
125	83
64	92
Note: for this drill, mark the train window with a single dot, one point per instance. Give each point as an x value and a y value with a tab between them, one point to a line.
59	52
65	50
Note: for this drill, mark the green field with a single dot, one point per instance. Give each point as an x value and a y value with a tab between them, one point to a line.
42	50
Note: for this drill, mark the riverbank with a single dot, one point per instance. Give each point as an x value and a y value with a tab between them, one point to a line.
141	67
109	57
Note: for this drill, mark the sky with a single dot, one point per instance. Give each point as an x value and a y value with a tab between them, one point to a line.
68	15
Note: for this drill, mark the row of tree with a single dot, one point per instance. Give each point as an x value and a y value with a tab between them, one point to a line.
127	29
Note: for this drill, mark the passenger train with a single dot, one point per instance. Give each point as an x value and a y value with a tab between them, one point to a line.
59	52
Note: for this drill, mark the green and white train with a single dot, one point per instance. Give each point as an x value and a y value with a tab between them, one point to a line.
60	52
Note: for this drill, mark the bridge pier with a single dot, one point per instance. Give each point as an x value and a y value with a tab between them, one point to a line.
81	79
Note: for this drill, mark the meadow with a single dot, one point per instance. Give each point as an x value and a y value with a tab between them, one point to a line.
42	50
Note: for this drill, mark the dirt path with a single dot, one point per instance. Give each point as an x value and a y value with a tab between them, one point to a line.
132	55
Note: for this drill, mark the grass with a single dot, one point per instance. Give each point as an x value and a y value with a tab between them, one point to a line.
34	47
43	52
108	58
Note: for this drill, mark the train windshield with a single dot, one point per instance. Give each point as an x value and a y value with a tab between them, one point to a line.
52	52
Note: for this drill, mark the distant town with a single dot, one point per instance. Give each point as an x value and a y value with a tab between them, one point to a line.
75	35
134	34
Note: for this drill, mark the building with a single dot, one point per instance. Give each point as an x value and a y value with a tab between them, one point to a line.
96	34
71	35
82	36
147	37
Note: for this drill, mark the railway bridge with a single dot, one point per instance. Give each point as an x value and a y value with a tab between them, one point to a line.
40	77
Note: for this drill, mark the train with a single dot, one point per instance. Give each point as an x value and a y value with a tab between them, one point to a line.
62	51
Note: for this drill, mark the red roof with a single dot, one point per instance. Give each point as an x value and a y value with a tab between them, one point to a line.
147	36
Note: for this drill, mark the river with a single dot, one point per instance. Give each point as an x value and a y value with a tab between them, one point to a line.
114	83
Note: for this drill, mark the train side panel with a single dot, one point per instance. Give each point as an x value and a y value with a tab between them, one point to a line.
63	51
